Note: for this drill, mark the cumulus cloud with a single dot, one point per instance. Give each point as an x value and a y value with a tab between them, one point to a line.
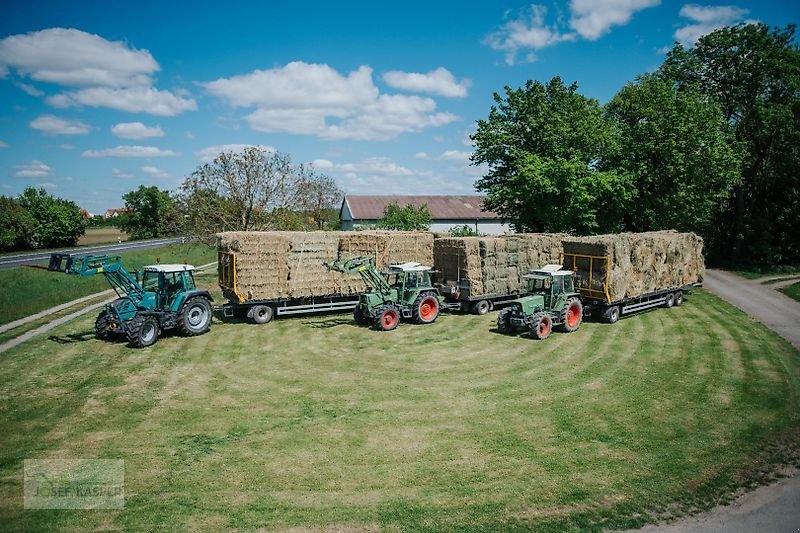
594	18
155	172
705	19
210	152
447	155
33	169
136	130
52	125
106	73
310	99
440	81
322	163
121	174
130	151
528	32
29	89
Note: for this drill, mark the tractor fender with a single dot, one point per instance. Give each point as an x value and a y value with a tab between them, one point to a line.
191	294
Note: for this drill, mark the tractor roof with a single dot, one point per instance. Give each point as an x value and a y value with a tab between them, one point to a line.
168	268
548	271
410	267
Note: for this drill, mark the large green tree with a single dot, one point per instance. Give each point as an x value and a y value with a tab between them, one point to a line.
545	147
17	226
151	209
405	218
753	71
680	152
58	222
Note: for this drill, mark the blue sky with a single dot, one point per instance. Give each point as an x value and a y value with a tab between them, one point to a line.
97	98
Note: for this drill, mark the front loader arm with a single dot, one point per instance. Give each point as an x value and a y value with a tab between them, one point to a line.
88	265
365	267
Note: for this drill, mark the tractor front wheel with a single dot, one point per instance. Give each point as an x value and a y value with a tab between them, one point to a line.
426	308
504	321
142	331
101	328
195	317
388	318
572	315
541	326
361	317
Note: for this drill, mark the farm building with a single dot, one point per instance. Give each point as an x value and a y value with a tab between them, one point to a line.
446	212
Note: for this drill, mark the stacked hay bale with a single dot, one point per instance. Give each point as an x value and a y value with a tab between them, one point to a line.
495	265
640	262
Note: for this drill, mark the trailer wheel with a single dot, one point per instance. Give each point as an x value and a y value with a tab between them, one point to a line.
611	315
572	315
142	331
541	326
361	318
388	318
261	314
195	317
481	308
101	328
678	300
426	308
669	300
504	321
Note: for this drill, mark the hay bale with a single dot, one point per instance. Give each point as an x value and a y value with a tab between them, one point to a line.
640	262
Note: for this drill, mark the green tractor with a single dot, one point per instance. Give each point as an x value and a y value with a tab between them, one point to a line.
405	291
551	302
167	298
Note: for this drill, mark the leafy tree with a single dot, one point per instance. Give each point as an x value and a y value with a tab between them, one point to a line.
754	73
57	222
150	210
406	218
16	225
320	196
464	231
680	152
545	146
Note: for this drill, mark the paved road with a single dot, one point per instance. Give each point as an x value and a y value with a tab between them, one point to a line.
772	308
11	261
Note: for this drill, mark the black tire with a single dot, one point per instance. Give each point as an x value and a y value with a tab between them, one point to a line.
504	321
101	328
481	307
361	318
669	300
611	315
426	308
541	326
387	318
261	314
142	331
678	300
572	315
195	317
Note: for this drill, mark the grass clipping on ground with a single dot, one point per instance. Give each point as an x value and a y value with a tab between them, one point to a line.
274	264
640	262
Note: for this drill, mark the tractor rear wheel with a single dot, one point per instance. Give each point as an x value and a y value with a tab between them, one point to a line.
142	331
541	326
261	314
481	307
195	317
426	308
504	321
388	318
572	315
362	318
101	328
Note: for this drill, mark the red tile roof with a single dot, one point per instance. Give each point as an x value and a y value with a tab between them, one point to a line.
467	207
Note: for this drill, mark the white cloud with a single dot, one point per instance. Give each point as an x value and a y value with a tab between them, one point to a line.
528	32
322	163
3	144
189	135
155	172
52	125
440	81
136	130
121	174
72	57
210	152
594	18
310	99
33	169
447	155
130	151
66	146
705	19
29	89
130	99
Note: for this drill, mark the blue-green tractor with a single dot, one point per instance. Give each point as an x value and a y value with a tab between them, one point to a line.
404	291
551	301
166	298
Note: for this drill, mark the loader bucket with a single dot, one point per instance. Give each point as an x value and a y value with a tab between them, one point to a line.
59	262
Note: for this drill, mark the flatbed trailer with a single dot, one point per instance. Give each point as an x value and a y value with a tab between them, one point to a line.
262	311
598	302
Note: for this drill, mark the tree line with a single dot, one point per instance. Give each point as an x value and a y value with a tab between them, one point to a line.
709	142
36	219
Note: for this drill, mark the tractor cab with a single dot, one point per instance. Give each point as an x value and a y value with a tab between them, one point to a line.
165	285
551	284
409	278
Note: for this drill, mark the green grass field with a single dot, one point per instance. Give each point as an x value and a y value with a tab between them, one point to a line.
792	291
25	291
316	423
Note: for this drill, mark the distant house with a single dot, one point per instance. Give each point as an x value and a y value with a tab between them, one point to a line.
446	212
115	212
85	214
